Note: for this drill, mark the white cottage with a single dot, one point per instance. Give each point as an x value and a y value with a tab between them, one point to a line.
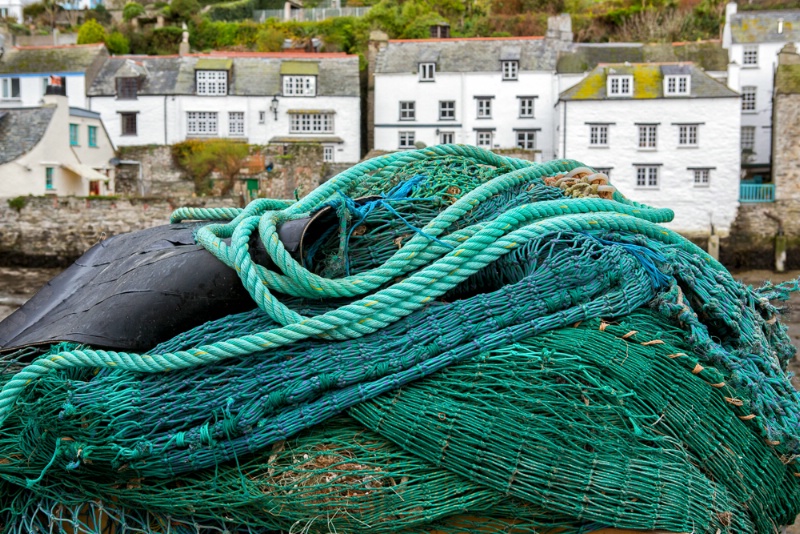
666	133
54	149
489	92
753	40
260	98
26	70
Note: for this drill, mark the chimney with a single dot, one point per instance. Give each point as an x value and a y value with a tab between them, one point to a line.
788	55
559	28
730	10
780	25
56	85
377	42
183	49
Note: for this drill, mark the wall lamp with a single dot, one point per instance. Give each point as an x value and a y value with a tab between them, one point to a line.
273	106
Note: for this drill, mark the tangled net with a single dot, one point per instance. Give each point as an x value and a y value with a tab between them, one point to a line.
484	344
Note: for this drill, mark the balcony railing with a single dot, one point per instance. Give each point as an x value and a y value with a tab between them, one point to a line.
757	193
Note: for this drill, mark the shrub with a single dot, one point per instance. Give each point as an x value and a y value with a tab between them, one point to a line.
91	32
238	10
184	9
17	203
117	44
202	157
34	10
165	40
132	10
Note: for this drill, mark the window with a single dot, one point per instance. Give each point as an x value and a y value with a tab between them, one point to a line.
440	31
604	170
446	138
647	136
526	107
620	85
299	85
647	177
427	72
510	70
447	110
484	138
748	137
598	135
701	177
262	117
48	178
127	88
73	135
676	85
93	136
484	108
128	122
201	122
311	123
9	88
406	139
212	82
45	83
750	55
687	135
327	153
236	123
748	98
408	111
526	140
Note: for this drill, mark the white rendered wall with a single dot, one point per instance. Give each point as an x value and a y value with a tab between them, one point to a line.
31	89
718	148
391	89
163	119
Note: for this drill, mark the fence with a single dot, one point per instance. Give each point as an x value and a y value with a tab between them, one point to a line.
757	192
313	14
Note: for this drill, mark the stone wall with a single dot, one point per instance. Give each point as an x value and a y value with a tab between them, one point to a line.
161	177
296	167
54	231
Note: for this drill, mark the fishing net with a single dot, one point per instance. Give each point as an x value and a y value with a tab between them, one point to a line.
474	343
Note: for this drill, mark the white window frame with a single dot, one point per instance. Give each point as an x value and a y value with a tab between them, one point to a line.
408	110
299	86
620	85
598	135
750	56
484	138
202	123
749	98
236	123
604	170
7	89
427	72
327	153
677	85
447	112
311	123
748	141
447	138
648	136
406	139
647	176
687	135
510	69
702	177
484	107
527	107
526	139
211	82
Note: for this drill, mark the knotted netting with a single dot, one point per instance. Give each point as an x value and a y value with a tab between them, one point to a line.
475	344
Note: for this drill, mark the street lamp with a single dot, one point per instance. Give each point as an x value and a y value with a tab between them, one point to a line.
273	106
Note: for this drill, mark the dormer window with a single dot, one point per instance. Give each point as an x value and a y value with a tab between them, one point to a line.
510	70
620	85
212	82
677	85
127	88
427	72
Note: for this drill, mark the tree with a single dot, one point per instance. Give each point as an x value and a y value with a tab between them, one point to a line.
132	10
184	9
202	157
91	32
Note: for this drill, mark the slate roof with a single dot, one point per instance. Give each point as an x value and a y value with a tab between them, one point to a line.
478	54
762	26
708	55
81	112
50	59
253	74
21	129
648	82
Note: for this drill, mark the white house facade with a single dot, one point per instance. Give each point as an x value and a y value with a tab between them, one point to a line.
753	40
11	8
489	92
259	98
54	149
666	134
25	72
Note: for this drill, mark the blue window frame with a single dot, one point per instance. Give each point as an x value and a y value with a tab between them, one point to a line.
93	136
73	135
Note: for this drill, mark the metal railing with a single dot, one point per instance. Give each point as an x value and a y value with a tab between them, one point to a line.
313	14
756	192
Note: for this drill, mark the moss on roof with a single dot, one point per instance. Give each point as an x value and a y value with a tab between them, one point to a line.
709	55
76	58
787	80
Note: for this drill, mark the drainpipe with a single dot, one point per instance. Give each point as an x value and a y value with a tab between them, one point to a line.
780	244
